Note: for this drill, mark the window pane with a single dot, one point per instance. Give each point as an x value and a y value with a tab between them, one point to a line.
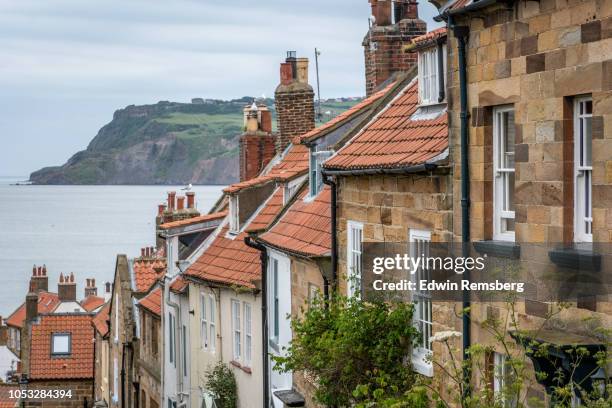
510	140
61	344
587	141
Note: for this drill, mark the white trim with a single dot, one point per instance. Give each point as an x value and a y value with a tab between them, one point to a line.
204	339
423	319
501	176
248	333
583	173
354	229
236	330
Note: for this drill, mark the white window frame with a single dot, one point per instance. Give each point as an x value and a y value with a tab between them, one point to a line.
429	83
315	178
203	321
275	303
501	373
583	170
234	211
63	341
248	333
501	177
212	342
354	249
236	331
419	241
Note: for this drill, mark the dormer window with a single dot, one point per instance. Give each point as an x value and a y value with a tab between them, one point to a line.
430	73
234	221
315	177
60	344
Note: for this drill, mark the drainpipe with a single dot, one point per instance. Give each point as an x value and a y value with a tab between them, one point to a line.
441	90
461	33
264	314
334	227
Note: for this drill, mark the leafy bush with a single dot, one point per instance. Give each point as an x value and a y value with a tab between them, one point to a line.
221	382
357	351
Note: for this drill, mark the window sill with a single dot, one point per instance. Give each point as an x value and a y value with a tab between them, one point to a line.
574	258
420	365
499	249
240	366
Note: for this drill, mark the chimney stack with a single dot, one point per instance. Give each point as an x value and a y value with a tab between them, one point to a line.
107	287
66	288
294	99
32	303
39	279
257	143
90	288
395	24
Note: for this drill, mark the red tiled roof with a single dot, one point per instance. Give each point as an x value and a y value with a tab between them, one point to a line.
80	362
429	36
268	212
459	4
179	285
91	303
152	302
393	139
5	396
145	273
293	164
100	320
367	102
47	302
306	226
194	220
228	261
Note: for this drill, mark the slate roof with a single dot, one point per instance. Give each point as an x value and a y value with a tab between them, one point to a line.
100	320
305	228
80	362
145	273
394	140
91	303
194	220
47	302
152	302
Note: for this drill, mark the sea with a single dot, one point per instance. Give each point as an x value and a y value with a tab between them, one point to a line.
75	229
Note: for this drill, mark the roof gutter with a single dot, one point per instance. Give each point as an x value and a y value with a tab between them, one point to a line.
363	172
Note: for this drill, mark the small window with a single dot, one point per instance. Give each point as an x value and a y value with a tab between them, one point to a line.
203	321
237	346
353	259
502	379
211	323
429	81
61	344
316	178
583	170
503	163
419	247
234	226
275	300
248	337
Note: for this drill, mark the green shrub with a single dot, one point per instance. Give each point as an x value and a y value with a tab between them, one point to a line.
221	382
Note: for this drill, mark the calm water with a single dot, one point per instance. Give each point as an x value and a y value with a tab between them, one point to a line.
76	229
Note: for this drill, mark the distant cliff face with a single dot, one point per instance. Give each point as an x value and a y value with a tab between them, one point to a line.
165	143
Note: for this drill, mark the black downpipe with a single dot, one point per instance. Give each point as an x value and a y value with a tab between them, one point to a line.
125	345
264	314
334	224
461	33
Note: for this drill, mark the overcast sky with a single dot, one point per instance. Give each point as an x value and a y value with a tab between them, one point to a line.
67	65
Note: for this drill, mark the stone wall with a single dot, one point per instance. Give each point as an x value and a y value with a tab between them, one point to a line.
82	394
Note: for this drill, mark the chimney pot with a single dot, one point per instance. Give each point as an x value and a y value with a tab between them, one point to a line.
160	209
142	252
61	278
44	270
190	199
71	277
108	287
34	270
286	73
93	283
171	200
180	203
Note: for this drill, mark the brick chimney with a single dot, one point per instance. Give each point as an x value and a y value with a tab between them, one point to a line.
66	288
90	288
3	332
257	143
190	200
294	99
39	278
32	304
393	25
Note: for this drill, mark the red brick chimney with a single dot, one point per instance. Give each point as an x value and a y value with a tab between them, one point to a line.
171	201
294	100
393	25
66	288
190	200
90	288
257	143
180	203
32	303
39	278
